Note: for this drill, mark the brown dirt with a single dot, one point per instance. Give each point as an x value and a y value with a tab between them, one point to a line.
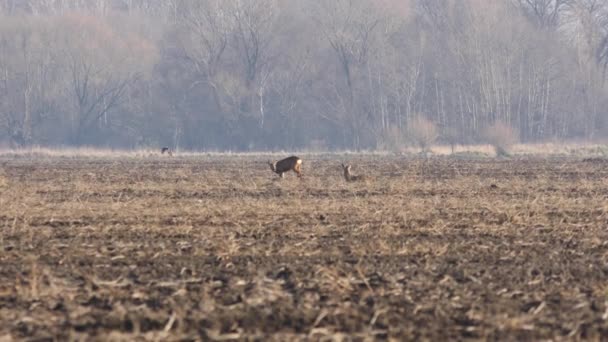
219	248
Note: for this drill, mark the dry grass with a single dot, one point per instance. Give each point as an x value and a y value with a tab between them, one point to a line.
580	149
3	180
215	247
569	149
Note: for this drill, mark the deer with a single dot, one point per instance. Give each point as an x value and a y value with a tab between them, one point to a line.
349	177
284	165
166	149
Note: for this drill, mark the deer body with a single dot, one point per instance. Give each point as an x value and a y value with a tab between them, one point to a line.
166	149
349	177
284	165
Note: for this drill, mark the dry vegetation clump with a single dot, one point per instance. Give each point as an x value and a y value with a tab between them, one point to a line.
3	180
215	248
501	136
423	133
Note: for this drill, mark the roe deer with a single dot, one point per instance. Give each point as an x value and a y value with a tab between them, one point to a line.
166	149
349	176
291	163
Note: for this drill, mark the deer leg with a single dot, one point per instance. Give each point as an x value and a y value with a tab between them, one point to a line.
281	174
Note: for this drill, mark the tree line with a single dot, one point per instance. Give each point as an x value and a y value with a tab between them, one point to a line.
285	74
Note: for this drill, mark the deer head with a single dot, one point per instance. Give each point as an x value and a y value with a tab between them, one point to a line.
273	165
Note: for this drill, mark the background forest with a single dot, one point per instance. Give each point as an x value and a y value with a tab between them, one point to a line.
285	74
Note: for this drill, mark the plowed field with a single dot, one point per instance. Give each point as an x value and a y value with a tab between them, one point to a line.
212	247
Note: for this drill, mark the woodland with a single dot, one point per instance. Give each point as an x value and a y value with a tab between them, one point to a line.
256	75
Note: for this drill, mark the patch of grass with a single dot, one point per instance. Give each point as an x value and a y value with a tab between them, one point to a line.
581	149
3	180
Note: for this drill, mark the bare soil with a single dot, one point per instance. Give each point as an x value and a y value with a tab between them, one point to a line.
218	248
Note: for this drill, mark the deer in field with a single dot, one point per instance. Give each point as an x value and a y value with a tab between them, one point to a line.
166	149
349	176
291	163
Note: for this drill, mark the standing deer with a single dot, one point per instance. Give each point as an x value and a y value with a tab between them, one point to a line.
291	163
349	176
166	149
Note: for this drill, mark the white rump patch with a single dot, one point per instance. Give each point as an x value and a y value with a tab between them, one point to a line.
299	161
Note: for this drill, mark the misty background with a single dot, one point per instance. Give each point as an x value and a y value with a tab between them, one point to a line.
286	74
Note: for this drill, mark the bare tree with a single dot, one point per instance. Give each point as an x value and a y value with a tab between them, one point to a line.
255	29
101	66
26	67
205	30
586	24
545	13
350	27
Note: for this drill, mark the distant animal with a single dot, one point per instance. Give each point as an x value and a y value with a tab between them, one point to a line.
166	149
291	163
349	177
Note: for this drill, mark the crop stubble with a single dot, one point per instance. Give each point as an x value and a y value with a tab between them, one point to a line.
218	248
